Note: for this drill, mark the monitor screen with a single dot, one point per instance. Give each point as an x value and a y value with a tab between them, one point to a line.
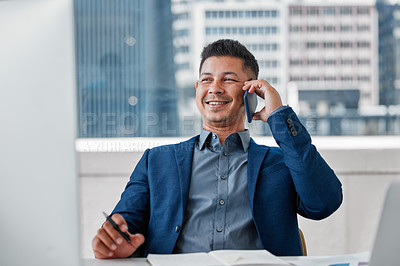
38	180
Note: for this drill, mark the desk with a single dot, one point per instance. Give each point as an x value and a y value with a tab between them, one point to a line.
350	259
116	262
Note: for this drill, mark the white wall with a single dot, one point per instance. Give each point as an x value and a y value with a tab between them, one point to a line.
365	166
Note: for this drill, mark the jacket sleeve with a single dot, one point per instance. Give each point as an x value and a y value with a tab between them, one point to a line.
134	202
319	191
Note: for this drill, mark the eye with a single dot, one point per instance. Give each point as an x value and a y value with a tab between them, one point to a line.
229	80
205	80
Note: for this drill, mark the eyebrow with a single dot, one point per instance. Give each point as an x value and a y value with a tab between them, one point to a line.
225	73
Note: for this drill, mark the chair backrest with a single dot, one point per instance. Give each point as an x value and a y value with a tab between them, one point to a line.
303	243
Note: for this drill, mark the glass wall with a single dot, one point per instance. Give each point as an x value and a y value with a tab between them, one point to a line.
335	64
124	55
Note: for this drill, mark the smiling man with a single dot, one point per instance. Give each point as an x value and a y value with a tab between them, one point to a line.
221	190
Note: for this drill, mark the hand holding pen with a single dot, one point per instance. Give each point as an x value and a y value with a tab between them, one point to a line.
125	235
114	241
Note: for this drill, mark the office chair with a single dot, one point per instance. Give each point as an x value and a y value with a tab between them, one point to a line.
303	243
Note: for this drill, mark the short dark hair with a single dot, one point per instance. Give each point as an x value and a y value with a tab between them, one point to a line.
227	47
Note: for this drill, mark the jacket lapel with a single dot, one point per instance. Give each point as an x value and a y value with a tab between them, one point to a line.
184	158
256	157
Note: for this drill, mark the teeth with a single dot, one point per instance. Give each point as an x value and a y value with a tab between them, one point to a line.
216	103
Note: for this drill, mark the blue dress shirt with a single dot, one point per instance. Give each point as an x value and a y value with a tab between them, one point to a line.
218	215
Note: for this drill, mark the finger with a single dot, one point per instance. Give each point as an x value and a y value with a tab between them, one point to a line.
137	240
253	88
259	91
104	235
100	250
259	115
119	220
121	223
246	86
112	233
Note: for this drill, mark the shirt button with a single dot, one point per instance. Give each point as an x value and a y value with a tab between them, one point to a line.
214	136
223	177
177	228
219	230
221	202
225	153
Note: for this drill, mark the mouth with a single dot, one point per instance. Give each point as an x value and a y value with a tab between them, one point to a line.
216	103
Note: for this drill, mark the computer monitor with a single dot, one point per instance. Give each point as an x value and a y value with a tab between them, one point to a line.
38	177
386	244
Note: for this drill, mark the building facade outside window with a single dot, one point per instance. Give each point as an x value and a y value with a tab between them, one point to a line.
137	62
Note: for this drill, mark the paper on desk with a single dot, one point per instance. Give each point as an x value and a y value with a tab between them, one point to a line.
355	259
192	259
217	257
247	257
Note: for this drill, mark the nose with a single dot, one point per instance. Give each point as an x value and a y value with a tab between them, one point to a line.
215	88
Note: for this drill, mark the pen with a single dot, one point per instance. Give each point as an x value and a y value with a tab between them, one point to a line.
116	227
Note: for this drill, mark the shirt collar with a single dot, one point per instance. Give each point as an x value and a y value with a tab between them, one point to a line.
244	137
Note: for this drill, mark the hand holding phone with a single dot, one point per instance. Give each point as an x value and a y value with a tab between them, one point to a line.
265	91
250	103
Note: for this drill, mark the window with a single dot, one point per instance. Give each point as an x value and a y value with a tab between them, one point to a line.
330	78
295	11
329	28
313	62
295	28
312	28
364	78
362	28
363	61
182	49
313	11
296	78
346	61
296	62
326	46
363	44
313	78
329	11
362	10
346	11
312	45
346	78
330	62
346	44
346	28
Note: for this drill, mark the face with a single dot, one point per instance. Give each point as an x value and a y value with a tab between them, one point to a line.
219	94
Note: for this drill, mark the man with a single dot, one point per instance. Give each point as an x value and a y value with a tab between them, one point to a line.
221	190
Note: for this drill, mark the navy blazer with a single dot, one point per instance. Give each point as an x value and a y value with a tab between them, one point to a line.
282	181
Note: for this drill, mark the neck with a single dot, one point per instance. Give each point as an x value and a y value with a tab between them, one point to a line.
223	132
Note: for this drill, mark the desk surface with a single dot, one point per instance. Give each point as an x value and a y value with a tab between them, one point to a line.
349	259
116	262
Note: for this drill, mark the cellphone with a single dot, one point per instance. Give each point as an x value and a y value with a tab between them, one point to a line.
250	103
